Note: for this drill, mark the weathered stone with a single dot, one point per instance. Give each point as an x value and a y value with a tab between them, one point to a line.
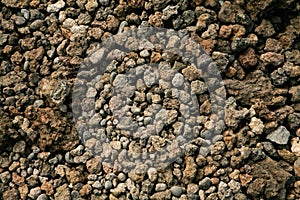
280	135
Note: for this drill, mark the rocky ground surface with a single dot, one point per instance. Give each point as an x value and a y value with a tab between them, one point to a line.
255	45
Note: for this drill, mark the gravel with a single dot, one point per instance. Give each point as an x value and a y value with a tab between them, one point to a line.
79	121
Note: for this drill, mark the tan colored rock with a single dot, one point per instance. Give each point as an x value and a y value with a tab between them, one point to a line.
47	187
23	190
62	192
156	20
94	165
245	179
17	179
272	58
85	190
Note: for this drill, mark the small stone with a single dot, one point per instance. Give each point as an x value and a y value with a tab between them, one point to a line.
265	29
234	186
295	146
11	194
108	185
138	173
85	190
227	12
91	5
295	92
34	192
165	195
205	183
280	135
19	147
156	19
176	191
272	58
112	23
297	167
5	177
42	197
160	187
152	174
198	87
23	191
62	192
169	11
248	58
178	80
56	7
47	187
256	125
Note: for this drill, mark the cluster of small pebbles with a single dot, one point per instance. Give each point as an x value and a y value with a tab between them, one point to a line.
79	121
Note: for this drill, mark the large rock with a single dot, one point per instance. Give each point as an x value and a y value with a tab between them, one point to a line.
270	181
255	89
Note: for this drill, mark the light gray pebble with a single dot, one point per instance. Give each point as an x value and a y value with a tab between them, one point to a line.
122	177
176	190
280	135
145	53
97	185
75	195
108	185
205	183
42	197
38	103
178	80
25	13
160	187
152	174
53	161
56	6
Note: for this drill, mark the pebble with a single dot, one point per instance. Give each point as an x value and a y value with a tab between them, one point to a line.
44	42
152	174
52	8
279	136
205	183
176	191
272	58
42	197
178	80
19	147
160	187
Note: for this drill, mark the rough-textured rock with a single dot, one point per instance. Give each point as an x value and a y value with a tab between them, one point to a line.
271	58
280	135
270	180
249	91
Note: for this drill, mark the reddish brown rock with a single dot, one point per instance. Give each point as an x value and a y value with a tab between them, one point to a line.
225	31
248	58
94	165
271	58
17	179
